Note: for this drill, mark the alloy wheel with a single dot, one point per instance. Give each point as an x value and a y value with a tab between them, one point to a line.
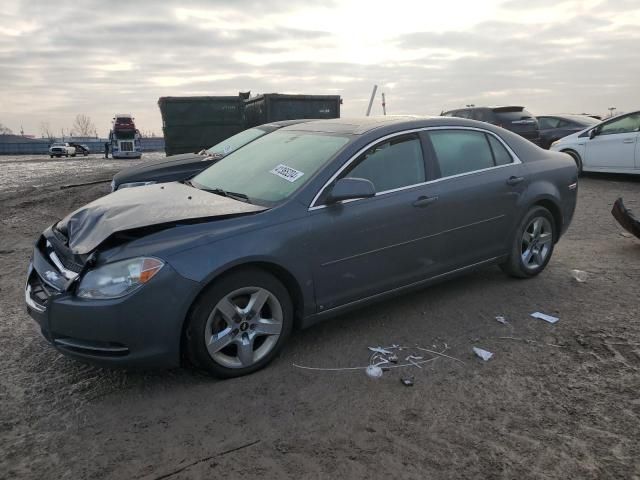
243	327
536	243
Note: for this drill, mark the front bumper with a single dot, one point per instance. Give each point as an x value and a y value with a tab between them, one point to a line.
142	329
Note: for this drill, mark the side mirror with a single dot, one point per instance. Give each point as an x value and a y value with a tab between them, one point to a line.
592	133
350	188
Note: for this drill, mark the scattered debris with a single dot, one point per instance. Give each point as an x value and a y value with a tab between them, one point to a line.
383	359
380	350
545	317
526	340
374	371
579	275
407	381
502	320
483	354
625	218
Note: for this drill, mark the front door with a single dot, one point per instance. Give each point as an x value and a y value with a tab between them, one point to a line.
614	146
367	246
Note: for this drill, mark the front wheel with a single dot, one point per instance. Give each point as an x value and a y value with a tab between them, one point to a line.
239	324
533	244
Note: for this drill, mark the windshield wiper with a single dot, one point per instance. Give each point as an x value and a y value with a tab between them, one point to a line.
227	193
219	191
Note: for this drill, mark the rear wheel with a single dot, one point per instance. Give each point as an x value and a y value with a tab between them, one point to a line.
533	244
576	158
239	324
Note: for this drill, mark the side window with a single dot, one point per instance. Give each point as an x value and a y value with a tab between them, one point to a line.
500	154
628	124
392	164
461	151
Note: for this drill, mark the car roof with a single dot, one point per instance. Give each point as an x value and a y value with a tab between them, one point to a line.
284	123
357	125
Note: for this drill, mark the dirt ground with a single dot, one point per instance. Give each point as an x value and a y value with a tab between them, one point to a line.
556	401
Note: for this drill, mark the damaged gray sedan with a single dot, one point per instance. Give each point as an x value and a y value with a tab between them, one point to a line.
301	224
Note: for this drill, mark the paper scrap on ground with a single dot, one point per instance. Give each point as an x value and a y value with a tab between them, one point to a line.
483	354
381	350
502	320
545	317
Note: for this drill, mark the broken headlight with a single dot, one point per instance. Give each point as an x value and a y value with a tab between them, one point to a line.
118	279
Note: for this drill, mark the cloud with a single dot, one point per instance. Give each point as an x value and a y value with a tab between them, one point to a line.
62	58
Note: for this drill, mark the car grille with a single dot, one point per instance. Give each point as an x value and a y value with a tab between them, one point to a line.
57	244
40	293
126	146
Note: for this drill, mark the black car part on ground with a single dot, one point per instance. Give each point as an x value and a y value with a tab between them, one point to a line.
625	218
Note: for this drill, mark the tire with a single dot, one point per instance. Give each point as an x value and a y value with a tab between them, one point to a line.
523	261
576	158
73	154
51	156
238	326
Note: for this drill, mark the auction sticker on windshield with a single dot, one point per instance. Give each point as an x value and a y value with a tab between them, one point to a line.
288	173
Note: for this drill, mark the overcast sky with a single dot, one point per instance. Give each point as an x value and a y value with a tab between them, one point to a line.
59	58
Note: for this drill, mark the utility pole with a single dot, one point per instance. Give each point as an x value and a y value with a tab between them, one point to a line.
384	105
373	94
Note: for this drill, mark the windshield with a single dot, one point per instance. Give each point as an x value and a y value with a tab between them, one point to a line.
238	140
272	167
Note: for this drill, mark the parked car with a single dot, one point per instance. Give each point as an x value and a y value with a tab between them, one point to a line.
183	166
610	146
554	127
80	148
513	118
297	226
61	149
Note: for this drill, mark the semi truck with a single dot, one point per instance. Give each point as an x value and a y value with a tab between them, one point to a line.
124	137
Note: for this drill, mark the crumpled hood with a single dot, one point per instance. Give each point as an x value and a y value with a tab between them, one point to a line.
130	208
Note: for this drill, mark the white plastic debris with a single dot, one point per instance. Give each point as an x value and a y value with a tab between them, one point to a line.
483	354
381	350
579	275
374	371
545	317
502	320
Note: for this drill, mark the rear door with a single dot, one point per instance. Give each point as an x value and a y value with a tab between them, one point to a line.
480	184
614	147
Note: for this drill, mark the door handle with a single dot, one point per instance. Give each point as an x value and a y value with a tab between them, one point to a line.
514	180
424	201
629	140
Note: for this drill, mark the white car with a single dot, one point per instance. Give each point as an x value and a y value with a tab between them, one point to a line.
610	146
61	149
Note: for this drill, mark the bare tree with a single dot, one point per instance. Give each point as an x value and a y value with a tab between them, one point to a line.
83	126
5	130
46	130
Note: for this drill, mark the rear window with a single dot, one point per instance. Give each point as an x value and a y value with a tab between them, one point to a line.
463	151
513	116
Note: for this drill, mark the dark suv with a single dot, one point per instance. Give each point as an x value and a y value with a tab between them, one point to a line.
513	118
